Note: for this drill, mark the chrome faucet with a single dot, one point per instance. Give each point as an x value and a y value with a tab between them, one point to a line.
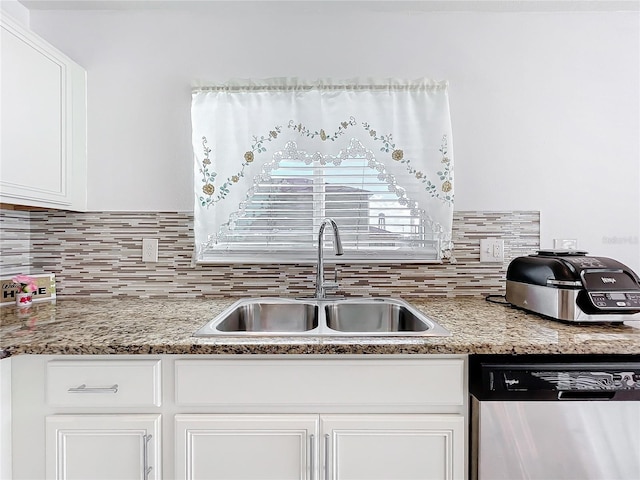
321	285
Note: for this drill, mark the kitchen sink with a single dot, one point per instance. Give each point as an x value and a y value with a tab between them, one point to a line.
264	316
271	317
373	316
322	317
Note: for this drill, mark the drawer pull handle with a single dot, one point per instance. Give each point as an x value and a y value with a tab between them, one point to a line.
84	389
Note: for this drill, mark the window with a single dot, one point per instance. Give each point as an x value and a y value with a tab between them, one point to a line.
263	199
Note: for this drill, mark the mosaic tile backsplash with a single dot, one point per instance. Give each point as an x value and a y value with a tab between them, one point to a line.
100	254
15	242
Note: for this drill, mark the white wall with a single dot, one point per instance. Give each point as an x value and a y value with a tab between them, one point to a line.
15	10
545	105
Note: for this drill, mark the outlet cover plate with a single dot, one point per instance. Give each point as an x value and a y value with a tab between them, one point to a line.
565	243
491	250
149	249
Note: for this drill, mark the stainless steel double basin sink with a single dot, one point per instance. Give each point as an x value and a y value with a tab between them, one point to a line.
324	317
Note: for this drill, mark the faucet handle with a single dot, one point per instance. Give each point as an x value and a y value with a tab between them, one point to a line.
332	285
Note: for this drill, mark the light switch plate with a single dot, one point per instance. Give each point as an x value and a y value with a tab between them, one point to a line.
491	250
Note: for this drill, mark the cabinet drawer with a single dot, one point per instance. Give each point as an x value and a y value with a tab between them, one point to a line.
385	383
103	383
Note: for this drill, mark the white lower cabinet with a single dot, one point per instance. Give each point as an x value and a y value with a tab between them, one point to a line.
234	447
86	418
237	417
398	447
308	447
103	447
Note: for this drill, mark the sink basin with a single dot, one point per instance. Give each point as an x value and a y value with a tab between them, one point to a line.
264	316
322	317
375	316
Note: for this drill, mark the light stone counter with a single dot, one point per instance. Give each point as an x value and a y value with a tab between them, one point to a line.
165	326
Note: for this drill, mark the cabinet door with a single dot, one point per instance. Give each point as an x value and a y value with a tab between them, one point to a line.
43	148
233	447
398	447
103	447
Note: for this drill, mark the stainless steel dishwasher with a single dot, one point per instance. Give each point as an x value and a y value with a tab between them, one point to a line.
555	417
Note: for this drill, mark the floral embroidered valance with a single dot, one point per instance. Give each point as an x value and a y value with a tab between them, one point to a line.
273	157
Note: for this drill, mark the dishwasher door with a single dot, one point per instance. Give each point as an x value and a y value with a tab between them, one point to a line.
555	417
576	440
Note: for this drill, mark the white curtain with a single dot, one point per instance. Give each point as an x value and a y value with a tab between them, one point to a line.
243	130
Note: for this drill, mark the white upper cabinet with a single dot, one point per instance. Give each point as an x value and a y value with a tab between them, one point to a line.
43	129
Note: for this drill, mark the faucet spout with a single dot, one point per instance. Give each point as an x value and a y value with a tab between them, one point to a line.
321	285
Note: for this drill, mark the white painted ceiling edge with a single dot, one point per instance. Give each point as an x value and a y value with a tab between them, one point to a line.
374	5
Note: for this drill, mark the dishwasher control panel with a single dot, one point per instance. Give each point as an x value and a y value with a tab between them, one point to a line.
545	379
554	377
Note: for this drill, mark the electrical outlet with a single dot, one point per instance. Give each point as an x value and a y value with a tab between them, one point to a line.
491	250
149	249
565	243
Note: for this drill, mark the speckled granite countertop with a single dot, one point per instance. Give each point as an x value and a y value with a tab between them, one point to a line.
165	326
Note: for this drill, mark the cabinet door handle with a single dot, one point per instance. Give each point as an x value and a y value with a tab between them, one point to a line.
146	469
84	389
326	456
312	446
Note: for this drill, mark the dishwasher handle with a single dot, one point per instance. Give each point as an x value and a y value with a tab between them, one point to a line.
586	395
